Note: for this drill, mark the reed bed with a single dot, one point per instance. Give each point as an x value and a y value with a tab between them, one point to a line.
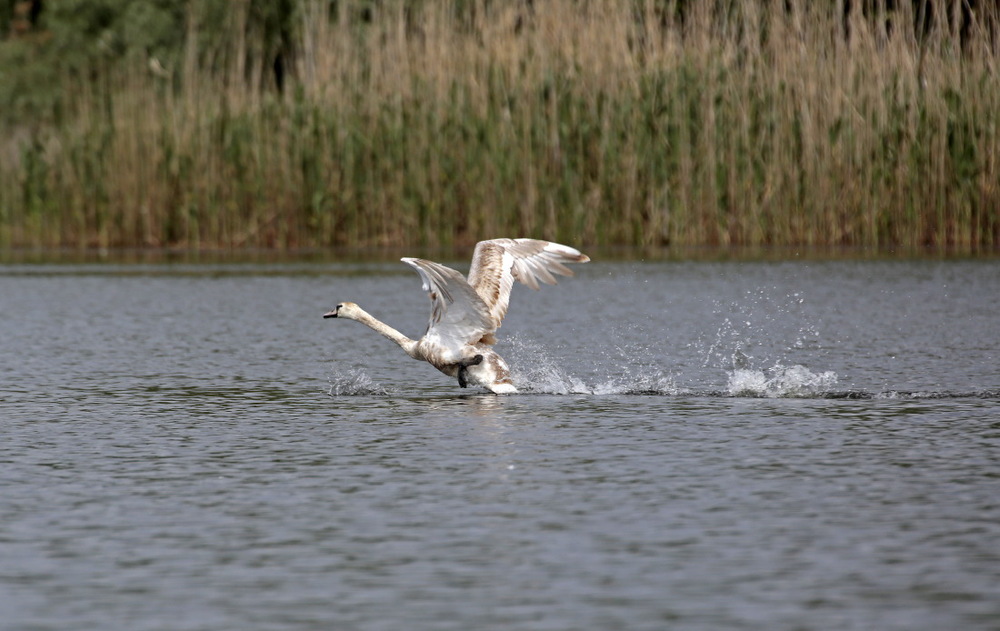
436	124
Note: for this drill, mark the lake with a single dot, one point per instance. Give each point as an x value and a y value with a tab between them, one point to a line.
697	445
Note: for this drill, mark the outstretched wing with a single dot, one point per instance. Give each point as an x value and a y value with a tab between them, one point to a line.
458	315
497	263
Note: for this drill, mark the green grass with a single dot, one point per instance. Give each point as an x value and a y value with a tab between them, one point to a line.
594	123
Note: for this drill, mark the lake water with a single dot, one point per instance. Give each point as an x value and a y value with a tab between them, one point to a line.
725	445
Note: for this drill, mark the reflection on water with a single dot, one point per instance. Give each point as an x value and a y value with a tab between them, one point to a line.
698	446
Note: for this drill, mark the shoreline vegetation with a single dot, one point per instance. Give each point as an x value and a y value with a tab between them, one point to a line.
367	124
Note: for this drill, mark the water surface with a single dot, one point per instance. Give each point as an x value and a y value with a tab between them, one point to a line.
698	446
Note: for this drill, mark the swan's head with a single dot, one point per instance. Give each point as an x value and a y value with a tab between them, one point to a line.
343	310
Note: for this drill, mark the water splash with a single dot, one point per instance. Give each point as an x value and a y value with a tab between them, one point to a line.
758	330
764	323
355	382
780	381
537	370
556	381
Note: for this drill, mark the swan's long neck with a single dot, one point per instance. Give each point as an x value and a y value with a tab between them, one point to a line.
408	345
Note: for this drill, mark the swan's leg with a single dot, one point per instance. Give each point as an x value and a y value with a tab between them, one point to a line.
463	367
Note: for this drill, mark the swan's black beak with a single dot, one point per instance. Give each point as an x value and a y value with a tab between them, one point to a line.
332	313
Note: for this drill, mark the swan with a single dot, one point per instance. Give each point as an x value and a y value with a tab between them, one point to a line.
465	314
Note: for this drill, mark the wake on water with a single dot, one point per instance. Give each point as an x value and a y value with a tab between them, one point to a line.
545	377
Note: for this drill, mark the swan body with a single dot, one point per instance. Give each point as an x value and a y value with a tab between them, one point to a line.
466	312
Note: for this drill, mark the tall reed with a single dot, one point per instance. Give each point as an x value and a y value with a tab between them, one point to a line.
440	123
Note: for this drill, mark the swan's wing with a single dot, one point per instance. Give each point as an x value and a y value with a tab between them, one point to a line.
497	263
458	315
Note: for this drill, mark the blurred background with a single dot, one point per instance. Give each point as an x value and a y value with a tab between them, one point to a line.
335	124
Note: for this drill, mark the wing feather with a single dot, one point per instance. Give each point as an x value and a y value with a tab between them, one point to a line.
458	314
497	263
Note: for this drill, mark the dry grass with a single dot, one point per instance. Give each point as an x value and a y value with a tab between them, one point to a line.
595	123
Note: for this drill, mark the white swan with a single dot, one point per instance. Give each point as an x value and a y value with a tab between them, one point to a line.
465	314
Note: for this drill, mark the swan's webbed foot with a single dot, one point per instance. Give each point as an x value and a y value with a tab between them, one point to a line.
463	366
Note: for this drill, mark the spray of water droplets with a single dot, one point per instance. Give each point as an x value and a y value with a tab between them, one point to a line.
355	382
766	329
536	369
779	381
